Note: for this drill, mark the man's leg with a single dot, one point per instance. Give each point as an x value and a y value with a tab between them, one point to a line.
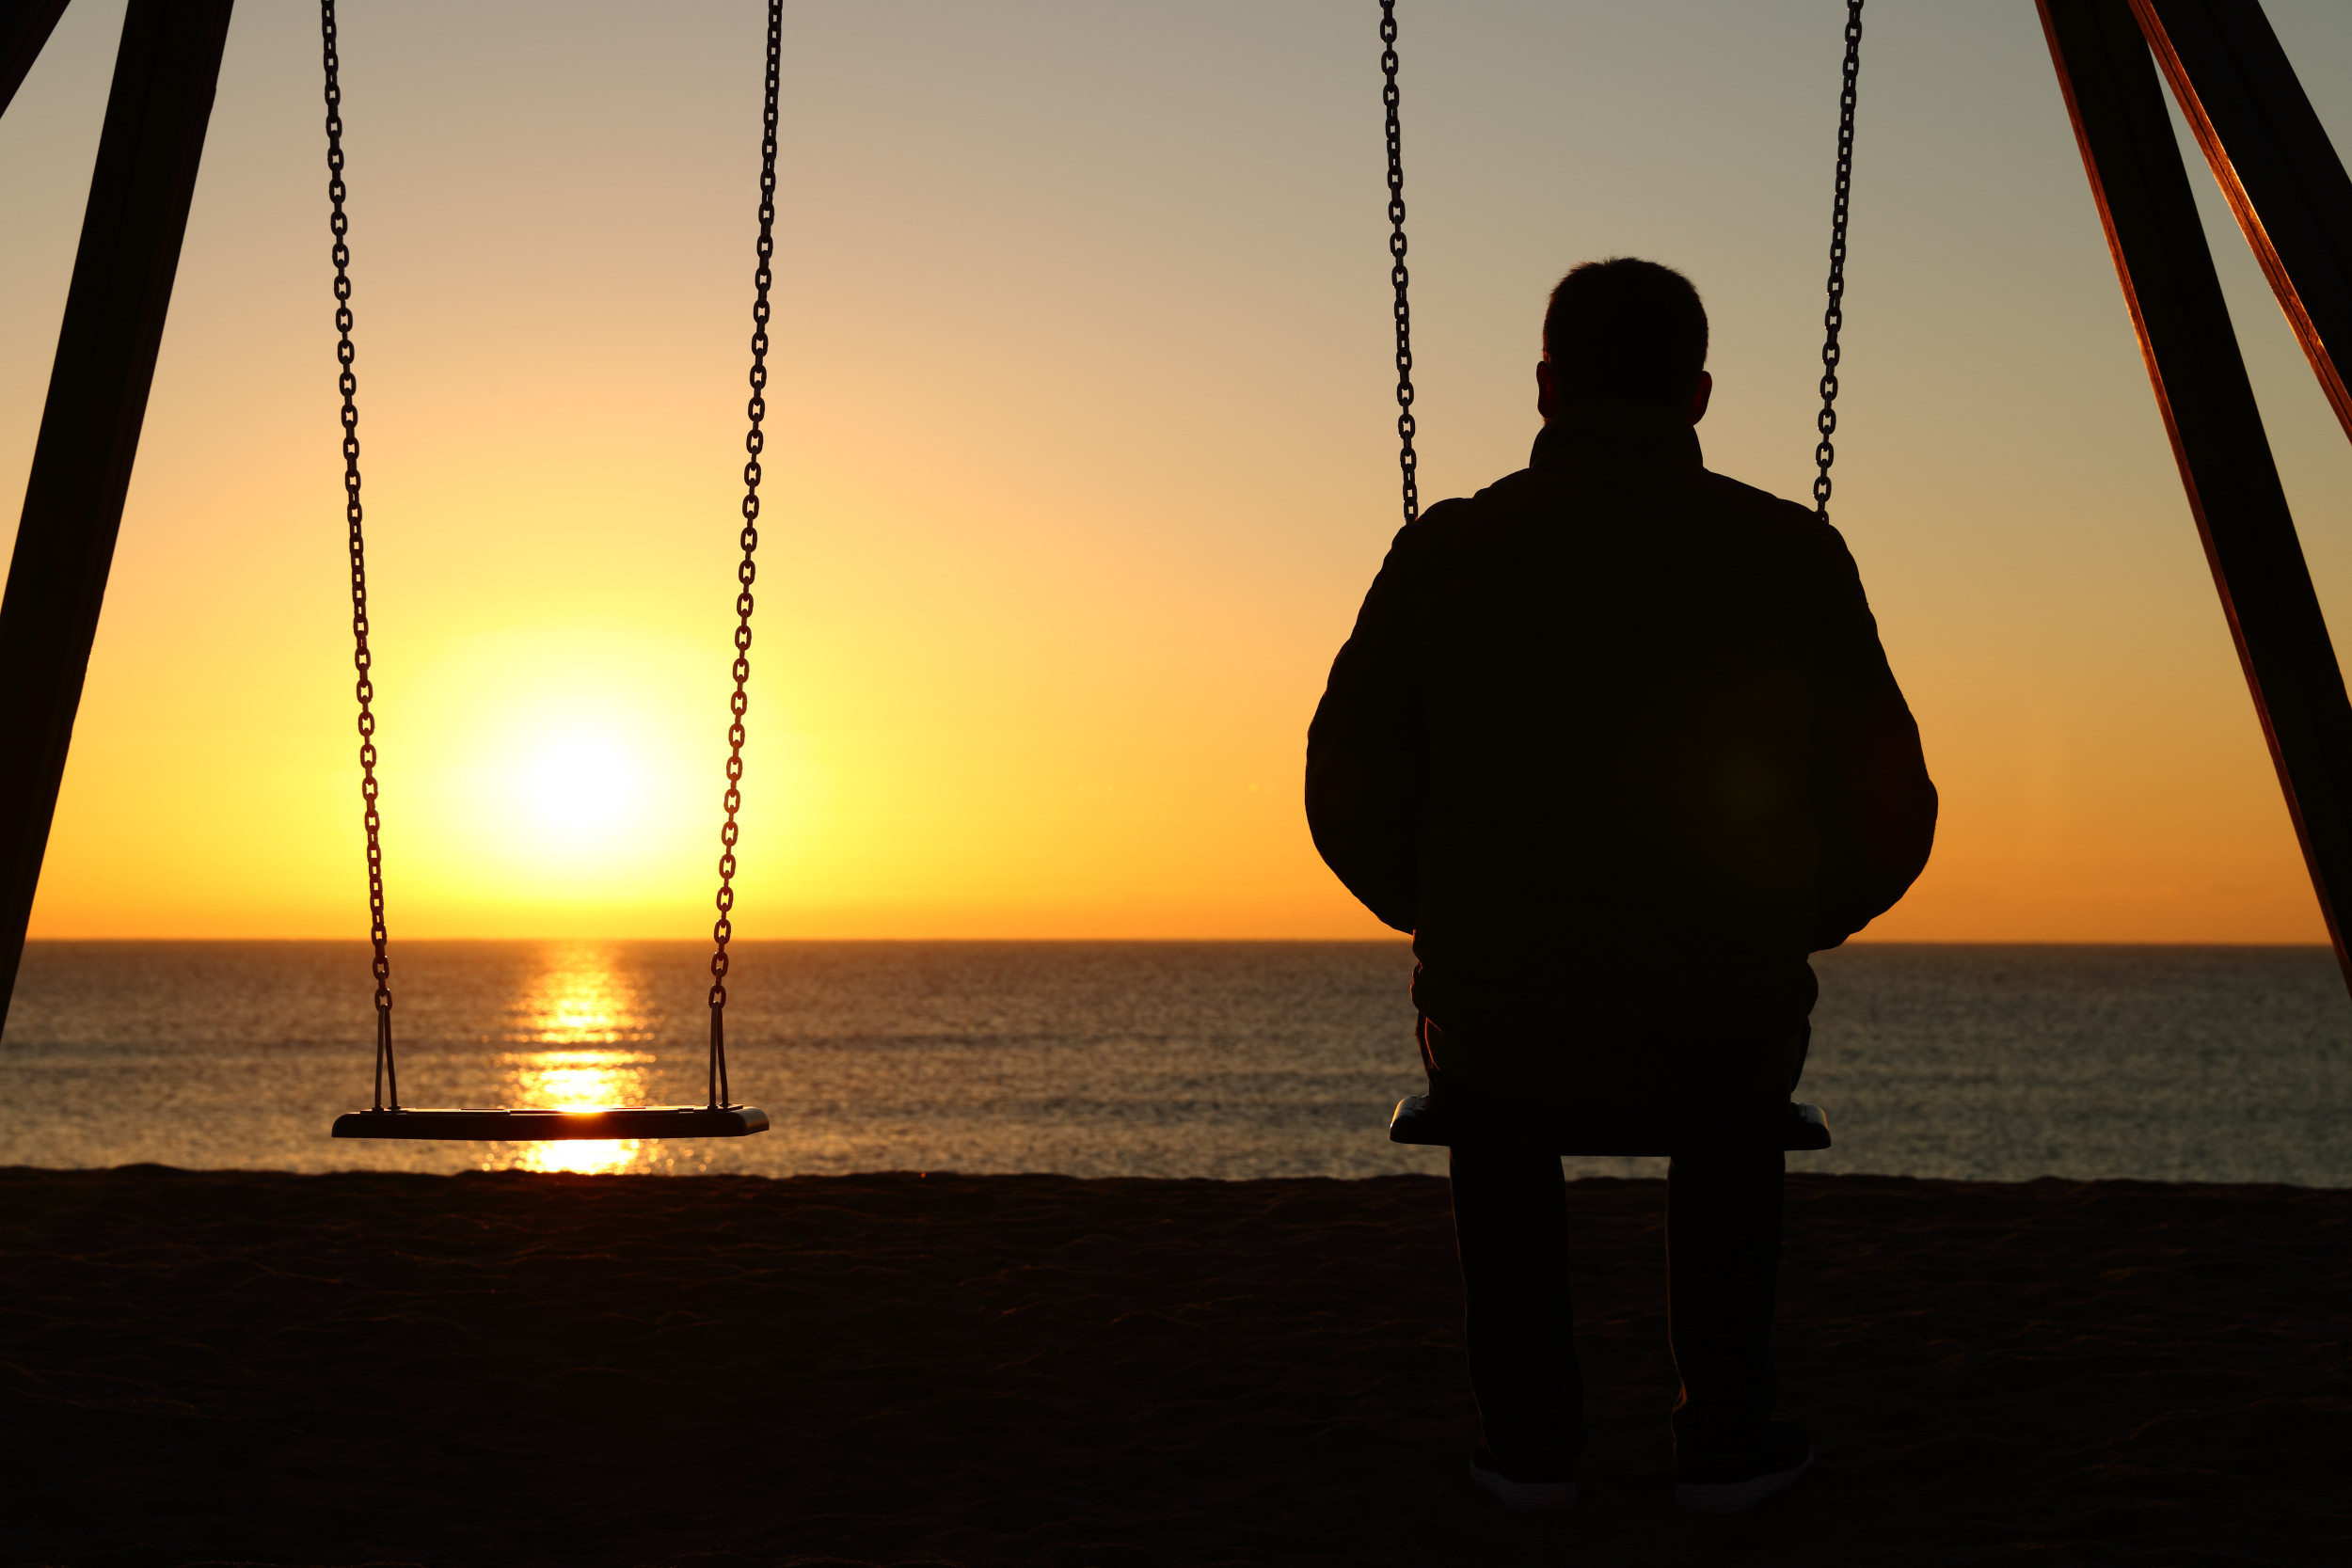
1722	1252
1511	1222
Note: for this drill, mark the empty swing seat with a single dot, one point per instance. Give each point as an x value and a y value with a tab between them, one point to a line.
532	1126
717	1118
1784	1125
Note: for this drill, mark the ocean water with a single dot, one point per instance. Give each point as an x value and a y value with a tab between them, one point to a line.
1164	1059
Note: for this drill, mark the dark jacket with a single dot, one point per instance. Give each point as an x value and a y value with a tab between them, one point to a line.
1615	740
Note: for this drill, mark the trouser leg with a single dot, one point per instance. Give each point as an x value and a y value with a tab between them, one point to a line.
1722	1252
1511	1222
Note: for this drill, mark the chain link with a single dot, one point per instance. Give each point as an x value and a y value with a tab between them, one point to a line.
1406	461
362	660
1834	317
747	571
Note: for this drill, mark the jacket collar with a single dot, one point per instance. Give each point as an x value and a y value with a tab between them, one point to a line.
1613	434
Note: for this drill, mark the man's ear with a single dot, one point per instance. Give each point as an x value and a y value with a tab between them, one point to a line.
1547	389
1699	395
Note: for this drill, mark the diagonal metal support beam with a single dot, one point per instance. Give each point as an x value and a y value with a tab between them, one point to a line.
2142	189
157	115
24	26
2273	161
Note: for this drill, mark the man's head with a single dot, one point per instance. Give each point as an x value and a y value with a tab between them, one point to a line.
1624	328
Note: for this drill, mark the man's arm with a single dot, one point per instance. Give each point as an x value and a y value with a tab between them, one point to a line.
1875	804
1366	759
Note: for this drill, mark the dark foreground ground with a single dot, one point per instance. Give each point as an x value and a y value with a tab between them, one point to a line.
222	1367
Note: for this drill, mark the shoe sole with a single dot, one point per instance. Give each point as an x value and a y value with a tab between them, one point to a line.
1735	1496
1527	1496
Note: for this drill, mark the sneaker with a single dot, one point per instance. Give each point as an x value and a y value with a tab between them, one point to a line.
1786	1454
1522	1496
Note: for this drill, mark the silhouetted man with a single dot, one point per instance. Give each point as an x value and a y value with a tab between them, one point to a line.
1615	740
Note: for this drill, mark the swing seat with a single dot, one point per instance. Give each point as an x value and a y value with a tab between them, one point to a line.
534	1126
1785	1126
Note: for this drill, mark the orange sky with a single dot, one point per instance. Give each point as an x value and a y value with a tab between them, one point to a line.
1080	454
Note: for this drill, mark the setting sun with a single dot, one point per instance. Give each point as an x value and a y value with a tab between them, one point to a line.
581	786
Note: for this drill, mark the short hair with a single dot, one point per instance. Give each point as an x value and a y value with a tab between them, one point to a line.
1626	328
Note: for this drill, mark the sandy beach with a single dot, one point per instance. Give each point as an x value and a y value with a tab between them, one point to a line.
239	1367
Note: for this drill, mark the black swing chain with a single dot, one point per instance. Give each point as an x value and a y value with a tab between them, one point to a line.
1834	317
1405	459
362	660
746	573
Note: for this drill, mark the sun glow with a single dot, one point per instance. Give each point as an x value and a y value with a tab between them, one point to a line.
548	782
585	788
581	786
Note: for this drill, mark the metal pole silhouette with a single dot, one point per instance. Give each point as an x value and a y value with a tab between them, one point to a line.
156	115
2161	258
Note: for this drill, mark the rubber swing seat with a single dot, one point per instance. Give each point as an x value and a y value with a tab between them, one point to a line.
532	1126
1786	1125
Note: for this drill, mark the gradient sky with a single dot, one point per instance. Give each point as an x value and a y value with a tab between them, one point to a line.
1080	451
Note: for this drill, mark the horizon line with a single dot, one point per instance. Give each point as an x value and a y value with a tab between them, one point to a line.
1399	941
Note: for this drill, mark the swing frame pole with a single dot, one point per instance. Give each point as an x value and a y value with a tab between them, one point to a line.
157	111
2273	161
25	27
2165	268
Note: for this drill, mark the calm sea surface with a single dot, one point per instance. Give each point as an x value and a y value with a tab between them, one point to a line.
1221	1059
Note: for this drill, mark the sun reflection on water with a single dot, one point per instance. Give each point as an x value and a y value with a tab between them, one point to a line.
592	1050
